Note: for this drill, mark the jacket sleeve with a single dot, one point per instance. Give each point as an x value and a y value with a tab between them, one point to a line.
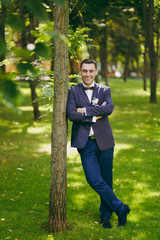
72	113
104	110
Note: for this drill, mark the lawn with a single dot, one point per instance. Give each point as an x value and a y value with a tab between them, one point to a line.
25	172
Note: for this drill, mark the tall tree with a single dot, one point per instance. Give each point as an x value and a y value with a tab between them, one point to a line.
57	205
2	33
103	53
149	25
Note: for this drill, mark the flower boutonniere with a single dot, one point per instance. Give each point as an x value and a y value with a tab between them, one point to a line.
95	101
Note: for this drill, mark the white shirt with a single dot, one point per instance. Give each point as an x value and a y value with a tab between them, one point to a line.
89	93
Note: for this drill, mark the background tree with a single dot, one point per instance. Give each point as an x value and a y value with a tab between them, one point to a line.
3	12
151	18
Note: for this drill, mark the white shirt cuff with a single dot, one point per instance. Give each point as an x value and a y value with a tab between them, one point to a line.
94	119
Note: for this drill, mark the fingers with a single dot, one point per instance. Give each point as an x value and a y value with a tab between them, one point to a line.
98	117
104	103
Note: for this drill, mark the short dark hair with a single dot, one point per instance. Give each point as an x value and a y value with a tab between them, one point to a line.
88	61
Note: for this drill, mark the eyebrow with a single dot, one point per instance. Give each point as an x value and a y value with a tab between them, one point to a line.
90	70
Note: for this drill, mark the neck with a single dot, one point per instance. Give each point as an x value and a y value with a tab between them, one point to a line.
86	85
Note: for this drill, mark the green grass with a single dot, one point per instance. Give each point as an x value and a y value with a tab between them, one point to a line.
25	172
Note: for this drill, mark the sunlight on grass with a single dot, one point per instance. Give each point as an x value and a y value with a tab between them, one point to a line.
75	184
74	176
37	130
16	131
25	91
25	108
80	199
30	108
120	146
138	160
134	92
73	154
44	148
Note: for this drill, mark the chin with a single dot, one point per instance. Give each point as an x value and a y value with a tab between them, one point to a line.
88	82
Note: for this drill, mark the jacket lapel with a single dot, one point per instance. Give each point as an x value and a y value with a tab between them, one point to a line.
95	92
84	95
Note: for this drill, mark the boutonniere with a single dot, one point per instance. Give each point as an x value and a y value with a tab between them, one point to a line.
95	101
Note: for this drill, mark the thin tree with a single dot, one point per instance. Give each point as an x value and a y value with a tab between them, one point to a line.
57	205
148	15
2	32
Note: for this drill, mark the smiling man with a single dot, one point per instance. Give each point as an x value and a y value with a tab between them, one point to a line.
89	105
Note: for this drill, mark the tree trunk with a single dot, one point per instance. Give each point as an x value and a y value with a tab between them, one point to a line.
148	12
22	16
103	56
138	68
153	56
51	5
145	68
2	32
126	67
57	205
36	112
93	55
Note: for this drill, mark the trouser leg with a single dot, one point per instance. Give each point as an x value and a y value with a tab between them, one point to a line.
89	156
106	166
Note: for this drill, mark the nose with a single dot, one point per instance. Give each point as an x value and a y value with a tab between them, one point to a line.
87	73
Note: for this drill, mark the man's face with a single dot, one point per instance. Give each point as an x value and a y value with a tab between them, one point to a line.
88	73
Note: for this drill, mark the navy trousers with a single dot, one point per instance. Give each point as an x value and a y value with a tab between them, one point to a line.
98	166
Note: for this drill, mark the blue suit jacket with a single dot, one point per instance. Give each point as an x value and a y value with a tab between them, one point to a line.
77	98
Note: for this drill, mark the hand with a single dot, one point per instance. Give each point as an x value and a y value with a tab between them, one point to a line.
81	110
104	103
98	117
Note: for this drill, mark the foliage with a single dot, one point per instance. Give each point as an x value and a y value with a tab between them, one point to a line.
19	20
9	91
77	39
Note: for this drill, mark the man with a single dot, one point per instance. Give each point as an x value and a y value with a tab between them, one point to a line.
89	105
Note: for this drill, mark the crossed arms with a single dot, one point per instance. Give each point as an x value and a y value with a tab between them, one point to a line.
86	114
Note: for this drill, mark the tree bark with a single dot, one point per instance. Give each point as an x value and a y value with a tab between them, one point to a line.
104	56
148	12
57	205
145	68
36	112
32	83
126	67
2	32
153	56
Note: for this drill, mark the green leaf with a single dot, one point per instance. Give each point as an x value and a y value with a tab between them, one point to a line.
24	53
14	21
42	51
10	94
37	8
7	3
24	67
57	35
3	48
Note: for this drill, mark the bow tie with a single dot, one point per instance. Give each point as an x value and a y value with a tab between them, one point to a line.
88	88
